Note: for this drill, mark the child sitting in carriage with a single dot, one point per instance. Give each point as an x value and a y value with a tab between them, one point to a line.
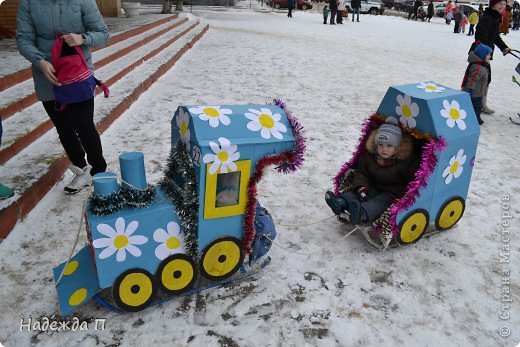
382	175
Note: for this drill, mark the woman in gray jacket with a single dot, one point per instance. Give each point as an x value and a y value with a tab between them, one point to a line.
81	24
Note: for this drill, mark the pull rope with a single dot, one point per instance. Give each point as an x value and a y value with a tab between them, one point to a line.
75	243
300	225
319	250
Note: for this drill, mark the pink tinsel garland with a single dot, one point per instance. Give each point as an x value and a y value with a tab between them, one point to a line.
286	162
249	215
370	124
428	163
296	161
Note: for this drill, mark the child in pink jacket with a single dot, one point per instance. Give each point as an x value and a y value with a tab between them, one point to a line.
463	22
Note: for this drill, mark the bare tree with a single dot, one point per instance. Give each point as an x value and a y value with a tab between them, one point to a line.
178	5
167	6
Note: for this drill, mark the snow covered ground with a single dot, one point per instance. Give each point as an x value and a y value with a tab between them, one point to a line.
446	290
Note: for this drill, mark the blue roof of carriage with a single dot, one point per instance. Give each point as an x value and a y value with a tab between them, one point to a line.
241	124
431	108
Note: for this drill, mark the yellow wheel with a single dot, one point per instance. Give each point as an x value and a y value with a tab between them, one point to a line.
221	258
412	226
134	290
176	273
450	213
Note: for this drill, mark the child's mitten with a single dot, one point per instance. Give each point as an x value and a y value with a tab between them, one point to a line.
362	194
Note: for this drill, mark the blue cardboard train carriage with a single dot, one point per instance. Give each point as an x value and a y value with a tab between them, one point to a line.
201	220
446	130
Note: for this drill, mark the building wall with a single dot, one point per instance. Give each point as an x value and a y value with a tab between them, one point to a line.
109	8
8	18
8	9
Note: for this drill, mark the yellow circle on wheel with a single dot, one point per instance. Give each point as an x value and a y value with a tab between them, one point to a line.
70	268
413	227
135	289
450	214
78	297
185	272
221	258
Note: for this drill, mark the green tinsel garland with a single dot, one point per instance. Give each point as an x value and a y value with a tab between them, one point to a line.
124	197
184	195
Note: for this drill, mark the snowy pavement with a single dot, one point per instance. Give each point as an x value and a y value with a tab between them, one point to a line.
446	290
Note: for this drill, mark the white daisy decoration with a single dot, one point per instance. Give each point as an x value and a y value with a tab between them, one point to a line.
119	240
224	156
455	167
407	110
454	114
430	87
183	122
213	114
266	122
171	241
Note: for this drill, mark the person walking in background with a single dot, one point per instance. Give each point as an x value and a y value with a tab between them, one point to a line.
457	17
480	10
473	19
506	19
5	192
290	5
487	32
476	77
38	25
463	23
325	14
333	4
449	7
516	15
448	16
410	12
356	4
341	8
430	10
416	5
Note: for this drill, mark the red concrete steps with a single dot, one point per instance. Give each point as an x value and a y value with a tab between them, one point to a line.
23	75
22	142
20	104
18	208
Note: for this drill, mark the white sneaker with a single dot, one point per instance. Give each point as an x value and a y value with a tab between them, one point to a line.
80	180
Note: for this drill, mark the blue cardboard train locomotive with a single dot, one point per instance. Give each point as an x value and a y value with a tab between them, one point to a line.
197	224
444	125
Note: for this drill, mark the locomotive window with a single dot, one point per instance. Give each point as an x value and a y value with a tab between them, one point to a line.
228	188
226	193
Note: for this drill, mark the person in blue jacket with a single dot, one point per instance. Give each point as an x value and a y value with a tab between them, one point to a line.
79	23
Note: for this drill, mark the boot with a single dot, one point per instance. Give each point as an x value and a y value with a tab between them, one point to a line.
355	212
336	204
485	108
5	192
80	180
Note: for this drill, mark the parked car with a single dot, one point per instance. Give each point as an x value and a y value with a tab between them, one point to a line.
466	8
300	4
439	9
374	7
